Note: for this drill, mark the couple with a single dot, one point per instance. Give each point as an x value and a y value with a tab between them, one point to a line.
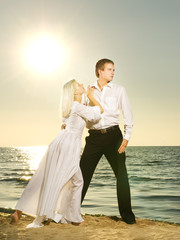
59	185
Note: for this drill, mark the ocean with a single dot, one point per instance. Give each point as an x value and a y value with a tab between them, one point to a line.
154	176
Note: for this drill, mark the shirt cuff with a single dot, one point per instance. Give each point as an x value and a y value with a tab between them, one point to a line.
127	131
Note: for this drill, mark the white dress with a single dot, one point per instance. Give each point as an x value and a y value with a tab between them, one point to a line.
54	191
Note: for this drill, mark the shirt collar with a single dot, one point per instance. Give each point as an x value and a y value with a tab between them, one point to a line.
95	84
109	84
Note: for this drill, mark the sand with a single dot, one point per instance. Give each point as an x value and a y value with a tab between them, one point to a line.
96	227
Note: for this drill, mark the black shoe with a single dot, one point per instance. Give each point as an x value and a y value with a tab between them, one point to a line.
129	221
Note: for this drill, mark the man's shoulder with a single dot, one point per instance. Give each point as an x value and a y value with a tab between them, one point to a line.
93	84
116	86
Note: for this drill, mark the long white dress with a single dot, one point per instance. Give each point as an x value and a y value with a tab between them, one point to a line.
54	192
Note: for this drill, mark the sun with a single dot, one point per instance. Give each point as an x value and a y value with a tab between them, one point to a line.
45	54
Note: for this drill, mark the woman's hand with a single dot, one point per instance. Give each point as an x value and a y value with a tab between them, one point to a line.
90	91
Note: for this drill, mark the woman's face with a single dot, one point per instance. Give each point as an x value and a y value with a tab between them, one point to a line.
79	88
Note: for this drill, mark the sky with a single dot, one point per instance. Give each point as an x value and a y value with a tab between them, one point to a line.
142	37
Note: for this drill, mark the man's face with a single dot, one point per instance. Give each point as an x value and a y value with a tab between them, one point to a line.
108	72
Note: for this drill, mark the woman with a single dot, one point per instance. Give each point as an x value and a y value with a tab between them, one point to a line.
54	192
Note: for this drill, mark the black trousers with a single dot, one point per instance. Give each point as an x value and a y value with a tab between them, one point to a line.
108	143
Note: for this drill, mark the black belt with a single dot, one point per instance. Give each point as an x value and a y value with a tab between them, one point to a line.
102	131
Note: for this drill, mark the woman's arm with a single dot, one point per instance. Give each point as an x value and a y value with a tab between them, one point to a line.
92	98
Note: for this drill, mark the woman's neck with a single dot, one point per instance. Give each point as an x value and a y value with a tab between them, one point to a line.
78	97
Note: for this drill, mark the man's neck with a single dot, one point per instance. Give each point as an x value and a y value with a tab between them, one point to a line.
102	82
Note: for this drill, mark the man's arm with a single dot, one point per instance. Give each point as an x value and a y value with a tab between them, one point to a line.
64	123
63	126
124	104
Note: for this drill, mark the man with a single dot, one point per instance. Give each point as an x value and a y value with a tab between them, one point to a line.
106	138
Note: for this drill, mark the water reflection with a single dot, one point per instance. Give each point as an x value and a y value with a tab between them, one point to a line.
35	155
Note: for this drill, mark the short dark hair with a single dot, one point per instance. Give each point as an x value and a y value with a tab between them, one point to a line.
100	65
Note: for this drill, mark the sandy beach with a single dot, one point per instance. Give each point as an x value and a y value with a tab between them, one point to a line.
95	227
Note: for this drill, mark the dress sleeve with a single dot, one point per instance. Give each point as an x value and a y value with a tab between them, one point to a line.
92	114
65	120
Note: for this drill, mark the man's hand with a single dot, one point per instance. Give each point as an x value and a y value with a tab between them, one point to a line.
123	146
63	126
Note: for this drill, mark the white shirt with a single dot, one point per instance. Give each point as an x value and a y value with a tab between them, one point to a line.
113	98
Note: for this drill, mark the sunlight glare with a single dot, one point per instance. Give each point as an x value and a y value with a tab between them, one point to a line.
45	54
35	154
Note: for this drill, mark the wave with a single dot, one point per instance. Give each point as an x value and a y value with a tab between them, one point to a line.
153	179
6	210
18	180
163	198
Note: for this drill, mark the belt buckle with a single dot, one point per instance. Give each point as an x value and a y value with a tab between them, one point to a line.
103	131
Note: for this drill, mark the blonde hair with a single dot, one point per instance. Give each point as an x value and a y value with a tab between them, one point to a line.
68	97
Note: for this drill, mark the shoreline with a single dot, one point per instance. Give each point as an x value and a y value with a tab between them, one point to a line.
95	227
9	211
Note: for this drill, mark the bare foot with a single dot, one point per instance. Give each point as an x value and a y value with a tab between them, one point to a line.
77	224
15	217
